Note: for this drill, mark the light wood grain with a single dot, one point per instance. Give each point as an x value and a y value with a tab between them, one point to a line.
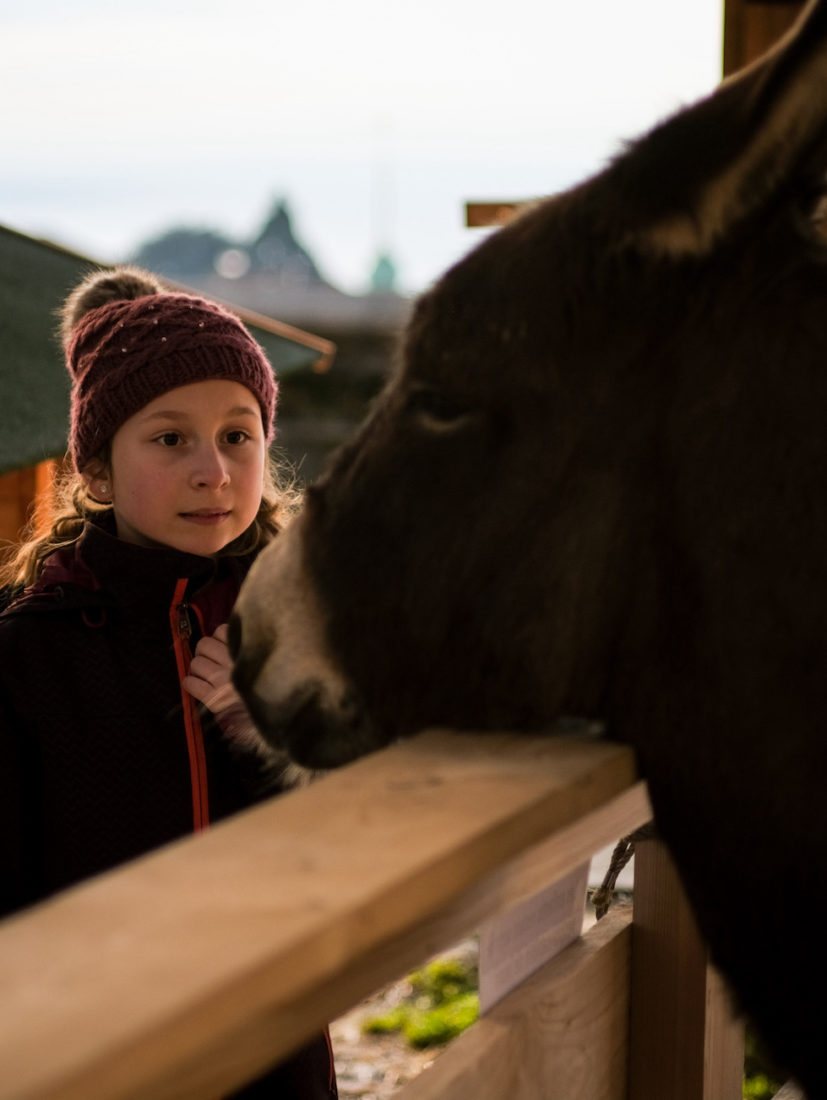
562	1035
192	969
686	1043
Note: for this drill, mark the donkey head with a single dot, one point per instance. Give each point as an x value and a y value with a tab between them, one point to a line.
561	487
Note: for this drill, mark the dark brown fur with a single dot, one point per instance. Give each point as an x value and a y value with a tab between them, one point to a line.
596	486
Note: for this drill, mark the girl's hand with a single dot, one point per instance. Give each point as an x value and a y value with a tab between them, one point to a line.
209	676
209	682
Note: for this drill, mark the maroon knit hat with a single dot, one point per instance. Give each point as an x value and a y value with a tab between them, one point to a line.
124	353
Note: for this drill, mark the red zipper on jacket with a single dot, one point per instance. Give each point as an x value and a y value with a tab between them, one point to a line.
181	630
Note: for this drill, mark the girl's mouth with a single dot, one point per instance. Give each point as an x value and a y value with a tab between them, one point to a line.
207	517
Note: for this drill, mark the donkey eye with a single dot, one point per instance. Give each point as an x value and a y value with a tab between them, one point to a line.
436	407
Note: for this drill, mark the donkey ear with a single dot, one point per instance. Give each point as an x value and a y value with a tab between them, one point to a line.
702	171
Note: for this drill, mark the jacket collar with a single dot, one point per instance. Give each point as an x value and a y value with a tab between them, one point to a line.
101	569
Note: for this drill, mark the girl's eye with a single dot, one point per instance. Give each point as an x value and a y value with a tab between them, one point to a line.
169	439
238	435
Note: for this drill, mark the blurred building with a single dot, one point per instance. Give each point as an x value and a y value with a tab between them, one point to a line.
35	277
272	273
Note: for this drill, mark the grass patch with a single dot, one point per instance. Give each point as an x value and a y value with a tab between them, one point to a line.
759	1081
441	1002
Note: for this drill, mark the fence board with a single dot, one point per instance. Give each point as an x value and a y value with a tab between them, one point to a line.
187	972
686	1042
562	1035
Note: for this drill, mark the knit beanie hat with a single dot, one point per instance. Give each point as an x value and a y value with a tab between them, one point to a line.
128	340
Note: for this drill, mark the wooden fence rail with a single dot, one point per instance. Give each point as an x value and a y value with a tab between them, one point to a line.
188	972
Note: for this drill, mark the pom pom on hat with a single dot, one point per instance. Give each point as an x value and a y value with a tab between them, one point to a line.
128	341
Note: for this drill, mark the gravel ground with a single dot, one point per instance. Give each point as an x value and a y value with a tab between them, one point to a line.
373	1067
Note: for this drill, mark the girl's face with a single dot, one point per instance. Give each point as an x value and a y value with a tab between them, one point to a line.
187	470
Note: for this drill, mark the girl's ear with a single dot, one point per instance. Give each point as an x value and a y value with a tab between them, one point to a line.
98	482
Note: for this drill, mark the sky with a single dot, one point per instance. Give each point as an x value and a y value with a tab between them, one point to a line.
374	119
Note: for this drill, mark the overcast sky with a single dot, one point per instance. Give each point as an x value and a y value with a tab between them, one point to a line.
374	119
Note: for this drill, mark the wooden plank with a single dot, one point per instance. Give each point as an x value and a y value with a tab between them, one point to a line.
189	971
537	911
562	1035
686	1043
514	944
564	850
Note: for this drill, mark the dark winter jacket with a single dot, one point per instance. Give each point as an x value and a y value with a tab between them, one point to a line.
103	755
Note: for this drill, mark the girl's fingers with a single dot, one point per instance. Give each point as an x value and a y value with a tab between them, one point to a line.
216	697
209	675
215	649
209	670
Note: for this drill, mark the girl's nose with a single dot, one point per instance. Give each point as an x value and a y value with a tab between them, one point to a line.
210	469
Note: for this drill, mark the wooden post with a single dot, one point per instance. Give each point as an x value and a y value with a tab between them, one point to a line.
751	27
685	1041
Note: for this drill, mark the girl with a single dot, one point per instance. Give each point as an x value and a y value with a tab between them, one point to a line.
105	752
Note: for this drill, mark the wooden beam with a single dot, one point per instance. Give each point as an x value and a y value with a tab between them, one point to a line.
191	970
